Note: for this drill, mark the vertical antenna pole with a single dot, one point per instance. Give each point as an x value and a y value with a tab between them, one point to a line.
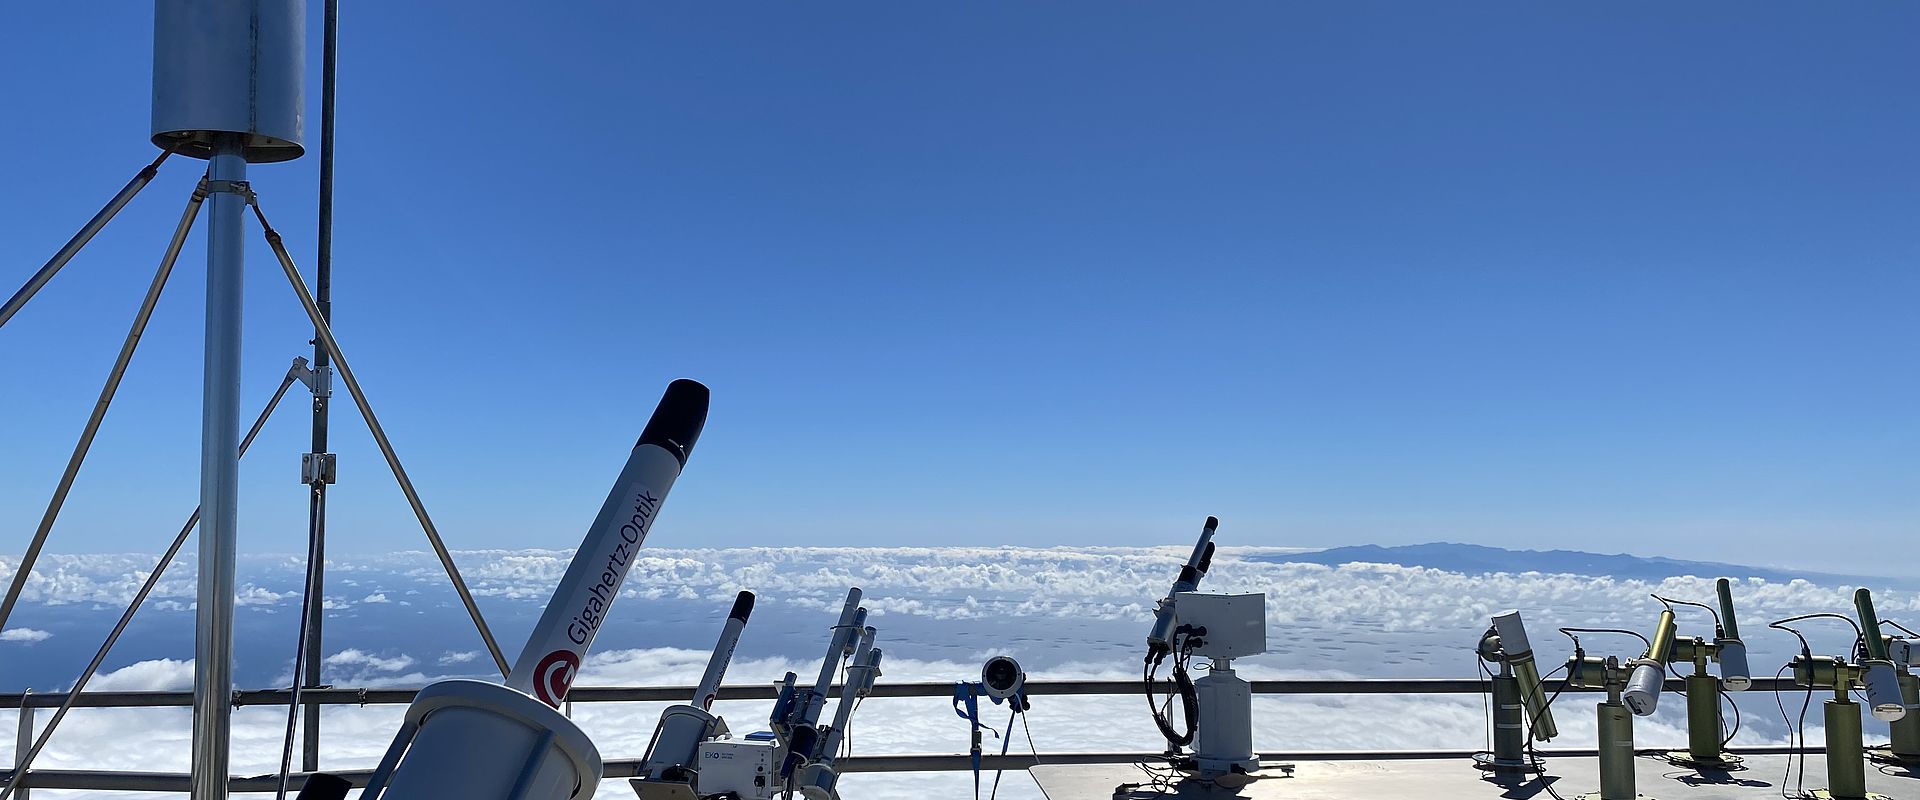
219	470
323	297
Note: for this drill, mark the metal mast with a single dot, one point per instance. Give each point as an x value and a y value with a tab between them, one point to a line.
219	470
227	86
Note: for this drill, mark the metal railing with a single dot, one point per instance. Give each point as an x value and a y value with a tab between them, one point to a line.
120	780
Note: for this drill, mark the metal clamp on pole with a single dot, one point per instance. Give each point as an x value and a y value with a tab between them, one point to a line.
318	380
242	188
315	468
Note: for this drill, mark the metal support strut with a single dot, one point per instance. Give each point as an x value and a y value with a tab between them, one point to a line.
100	405
25	754
79	240
325	335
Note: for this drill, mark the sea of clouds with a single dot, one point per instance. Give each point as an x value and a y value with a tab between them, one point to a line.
1064	612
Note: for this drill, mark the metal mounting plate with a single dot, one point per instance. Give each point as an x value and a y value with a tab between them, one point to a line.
316	468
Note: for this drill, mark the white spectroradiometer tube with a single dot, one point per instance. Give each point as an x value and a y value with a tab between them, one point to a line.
551	659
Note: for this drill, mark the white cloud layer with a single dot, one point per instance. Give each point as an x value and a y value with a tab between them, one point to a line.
155	739
939	611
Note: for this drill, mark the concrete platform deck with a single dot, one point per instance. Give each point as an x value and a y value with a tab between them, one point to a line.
1456	779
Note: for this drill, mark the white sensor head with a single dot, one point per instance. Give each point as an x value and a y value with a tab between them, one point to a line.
1001	677
1513	634
1643	688
1883	691
1904	652
1733	665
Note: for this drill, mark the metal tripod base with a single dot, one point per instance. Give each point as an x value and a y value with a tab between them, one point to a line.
1485	762
1884	754
1725	762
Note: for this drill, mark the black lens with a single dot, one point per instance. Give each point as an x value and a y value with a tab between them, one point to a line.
1002	672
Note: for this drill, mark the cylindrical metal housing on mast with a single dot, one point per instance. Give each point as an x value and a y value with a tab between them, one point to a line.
230	67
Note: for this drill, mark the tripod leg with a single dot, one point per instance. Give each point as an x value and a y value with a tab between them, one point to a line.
140	597
325	335
79	240
112	386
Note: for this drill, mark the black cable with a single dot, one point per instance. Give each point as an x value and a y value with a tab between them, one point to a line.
1781	623
1486	699
848	737
1788	722
1184	688
1800	786
1793	733
1148	671
1534	719
1806	652
1569	633
1670	603
1903	629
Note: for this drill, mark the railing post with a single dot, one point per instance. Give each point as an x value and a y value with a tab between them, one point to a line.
23	742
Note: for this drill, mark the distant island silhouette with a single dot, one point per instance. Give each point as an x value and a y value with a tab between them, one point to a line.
1475	559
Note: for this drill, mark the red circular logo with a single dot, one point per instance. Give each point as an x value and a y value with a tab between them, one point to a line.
554	675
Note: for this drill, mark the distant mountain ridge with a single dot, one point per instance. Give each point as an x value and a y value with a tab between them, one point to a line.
1475	559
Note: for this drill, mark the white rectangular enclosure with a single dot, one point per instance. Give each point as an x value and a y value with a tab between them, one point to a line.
1236	623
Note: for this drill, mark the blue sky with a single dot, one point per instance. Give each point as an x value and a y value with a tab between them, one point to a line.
1636	277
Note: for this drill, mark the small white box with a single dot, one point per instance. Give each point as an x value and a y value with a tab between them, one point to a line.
745	767
1236	623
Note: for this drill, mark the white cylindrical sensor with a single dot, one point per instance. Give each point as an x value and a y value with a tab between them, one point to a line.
1903	653
845	633
1734	674
1883	691
473	740
1642	695
709	687
230	67
676	743
552	656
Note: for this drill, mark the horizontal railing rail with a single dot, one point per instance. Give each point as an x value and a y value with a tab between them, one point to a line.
106	780
680	694
117	780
